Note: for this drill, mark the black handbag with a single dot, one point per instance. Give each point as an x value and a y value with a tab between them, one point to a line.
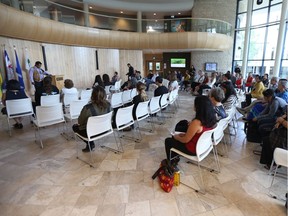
182	126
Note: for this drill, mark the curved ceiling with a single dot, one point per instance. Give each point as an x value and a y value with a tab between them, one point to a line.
144	5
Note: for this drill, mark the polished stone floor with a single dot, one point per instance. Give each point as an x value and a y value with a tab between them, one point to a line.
52	182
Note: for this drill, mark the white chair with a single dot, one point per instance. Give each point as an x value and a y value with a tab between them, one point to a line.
164	101
280	158
116	86
123	119
50	100
203	148
126	97
97	128
218	136
68	98
74	111
47	116
18	108
133	93
85	94
154	108
107	89
116	100
165	82
142	113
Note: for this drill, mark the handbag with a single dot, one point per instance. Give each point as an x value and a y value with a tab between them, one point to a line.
182	126
165	175
278	138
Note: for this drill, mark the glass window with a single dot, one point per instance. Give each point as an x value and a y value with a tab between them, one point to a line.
263	3
285	52
271	42
284	69
255	67
256	45
259	17
275	13
241	20
276	2
150	66
268	67
242	6
237	64
239	45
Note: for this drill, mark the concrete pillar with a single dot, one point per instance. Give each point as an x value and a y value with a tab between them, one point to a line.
246	39
280	40
139	21
86	15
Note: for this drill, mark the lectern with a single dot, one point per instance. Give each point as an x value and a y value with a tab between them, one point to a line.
58	81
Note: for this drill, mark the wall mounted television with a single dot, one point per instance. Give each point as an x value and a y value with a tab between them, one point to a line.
210	66
178	62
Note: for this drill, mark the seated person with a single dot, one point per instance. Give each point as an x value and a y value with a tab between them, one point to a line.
275	108
130	84
98	106
249	82
276	139
256	91
173	84
149	81
161	89
265	80
46	89
216	95
68	87
98	81
141	97
198	79
273	83
106	80
13	92
186	142
206	85
230	95
115	78
184	84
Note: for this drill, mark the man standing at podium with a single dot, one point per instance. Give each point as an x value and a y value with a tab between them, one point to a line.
37	75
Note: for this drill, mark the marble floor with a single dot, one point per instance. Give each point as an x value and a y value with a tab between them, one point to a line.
52	182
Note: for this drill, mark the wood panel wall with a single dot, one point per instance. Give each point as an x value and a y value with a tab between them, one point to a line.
74	62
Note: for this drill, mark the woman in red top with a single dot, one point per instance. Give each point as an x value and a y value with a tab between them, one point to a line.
205	120
249	82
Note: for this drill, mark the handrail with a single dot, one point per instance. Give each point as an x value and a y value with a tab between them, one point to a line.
102	21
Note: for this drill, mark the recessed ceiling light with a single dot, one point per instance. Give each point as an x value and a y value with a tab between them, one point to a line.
121	11
172	16
179	13
156	20
154	14
90	7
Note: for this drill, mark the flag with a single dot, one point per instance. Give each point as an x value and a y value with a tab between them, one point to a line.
19	72
27	61
1	82
9	68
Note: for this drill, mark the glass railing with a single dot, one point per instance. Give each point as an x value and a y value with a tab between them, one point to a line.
72	12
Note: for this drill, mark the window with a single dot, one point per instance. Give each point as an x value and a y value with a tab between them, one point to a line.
275	13
239	45
241	20
271	42
256	45
242	7
264	3
259	17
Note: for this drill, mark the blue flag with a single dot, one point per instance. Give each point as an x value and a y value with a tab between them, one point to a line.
19	72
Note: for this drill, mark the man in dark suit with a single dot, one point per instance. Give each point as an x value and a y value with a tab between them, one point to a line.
130	72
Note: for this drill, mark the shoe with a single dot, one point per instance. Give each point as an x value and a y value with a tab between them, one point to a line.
86	149
18	125
241	110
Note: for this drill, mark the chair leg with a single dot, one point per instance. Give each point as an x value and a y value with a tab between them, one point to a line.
275	172
203	186
9	127
40	138
215	153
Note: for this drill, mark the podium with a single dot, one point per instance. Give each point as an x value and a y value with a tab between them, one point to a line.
58	81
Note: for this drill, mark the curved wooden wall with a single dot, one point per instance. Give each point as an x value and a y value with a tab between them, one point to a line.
22	25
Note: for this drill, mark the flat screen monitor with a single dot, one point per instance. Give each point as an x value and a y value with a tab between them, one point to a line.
178	63
210	66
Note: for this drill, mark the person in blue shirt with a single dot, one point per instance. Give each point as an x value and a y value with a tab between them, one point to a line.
282	91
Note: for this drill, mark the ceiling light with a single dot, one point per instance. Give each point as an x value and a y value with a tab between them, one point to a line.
90	7
154	14
156	20
172	16
179	13
121	12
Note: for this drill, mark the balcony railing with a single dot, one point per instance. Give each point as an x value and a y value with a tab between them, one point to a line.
74	14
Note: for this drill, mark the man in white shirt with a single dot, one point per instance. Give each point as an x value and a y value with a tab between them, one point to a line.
37	74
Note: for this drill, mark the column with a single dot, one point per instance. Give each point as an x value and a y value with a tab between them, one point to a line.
280	41
86	15
139	21
246	39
